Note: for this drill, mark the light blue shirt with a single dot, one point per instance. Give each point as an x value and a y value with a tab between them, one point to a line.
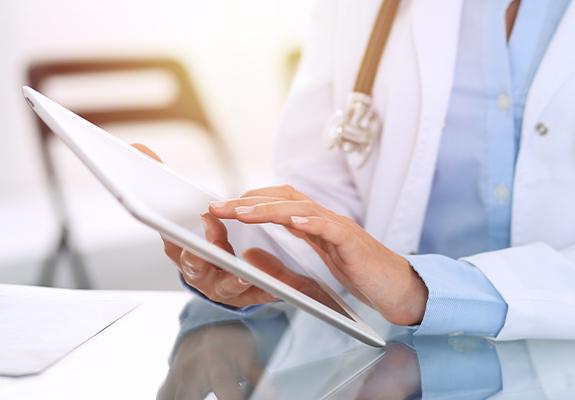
469	209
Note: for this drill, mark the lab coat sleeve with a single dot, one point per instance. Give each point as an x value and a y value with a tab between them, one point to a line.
538	284
302	158
461	299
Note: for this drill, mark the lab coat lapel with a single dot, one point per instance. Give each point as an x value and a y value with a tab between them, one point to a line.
435	35
557	67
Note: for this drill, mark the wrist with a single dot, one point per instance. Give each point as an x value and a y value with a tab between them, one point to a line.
416	297
410	297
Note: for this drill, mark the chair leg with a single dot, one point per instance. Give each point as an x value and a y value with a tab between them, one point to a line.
49	267
48	272
77	265
79	270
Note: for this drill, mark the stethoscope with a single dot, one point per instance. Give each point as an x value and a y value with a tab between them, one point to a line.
356	127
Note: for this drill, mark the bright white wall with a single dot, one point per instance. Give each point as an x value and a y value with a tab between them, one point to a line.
234	48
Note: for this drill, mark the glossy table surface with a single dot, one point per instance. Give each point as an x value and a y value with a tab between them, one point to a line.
176	346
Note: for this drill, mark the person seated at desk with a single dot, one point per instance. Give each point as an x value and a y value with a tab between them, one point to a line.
461	218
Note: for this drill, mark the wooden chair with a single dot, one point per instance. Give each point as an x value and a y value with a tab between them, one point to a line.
185	106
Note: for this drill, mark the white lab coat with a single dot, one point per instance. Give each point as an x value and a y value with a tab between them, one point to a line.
389	195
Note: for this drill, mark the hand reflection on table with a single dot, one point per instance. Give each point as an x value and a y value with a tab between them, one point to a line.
395	376
422	367
221	351
235	355
216	358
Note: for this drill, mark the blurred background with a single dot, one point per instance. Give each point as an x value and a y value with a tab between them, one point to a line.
201	82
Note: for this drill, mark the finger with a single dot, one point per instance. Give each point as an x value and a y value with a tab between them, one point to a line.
253	295
279	212
147	151
250	297
330	230
173	251
227	208
216	232
194	268
209	284
251	369
222	286
231	286
192	387
197	272
283	191
217	285
225	383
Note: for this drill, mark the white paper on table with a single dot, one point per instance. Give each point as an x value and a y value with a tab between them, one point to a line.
39	326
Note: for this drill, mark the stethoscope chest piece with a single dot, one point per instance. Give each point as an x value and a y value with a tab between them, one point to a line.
355	129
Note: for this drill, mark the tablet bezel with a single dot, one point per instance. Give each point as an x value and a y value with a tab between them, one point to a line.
51	112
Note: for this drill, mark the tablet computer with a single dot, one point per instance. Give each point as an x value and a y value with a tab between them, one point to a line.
147	189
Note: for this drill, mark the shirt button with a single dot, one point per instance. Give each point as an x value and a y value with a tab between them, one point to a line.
501	192
542	129
504	102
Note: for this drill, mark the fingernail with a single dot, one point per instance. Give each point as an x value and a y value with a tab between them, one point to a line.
188	267
204	222
243	282
299	220
218	204
244	210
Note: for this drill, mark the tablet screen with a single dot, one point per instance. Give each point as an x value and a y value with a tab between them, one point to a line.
183	203
127	172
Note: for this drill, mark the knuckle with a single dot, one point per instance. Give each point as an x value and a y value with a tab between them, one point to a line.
218	295
228	288
310	205
193	283
222	293
219	288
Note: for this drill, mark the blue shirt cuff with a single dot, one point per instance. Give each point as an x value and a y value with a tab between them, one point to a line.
457	367
461	299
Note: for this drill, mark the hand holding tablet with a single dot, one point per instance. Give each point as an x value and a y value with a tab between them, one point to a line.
260	254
